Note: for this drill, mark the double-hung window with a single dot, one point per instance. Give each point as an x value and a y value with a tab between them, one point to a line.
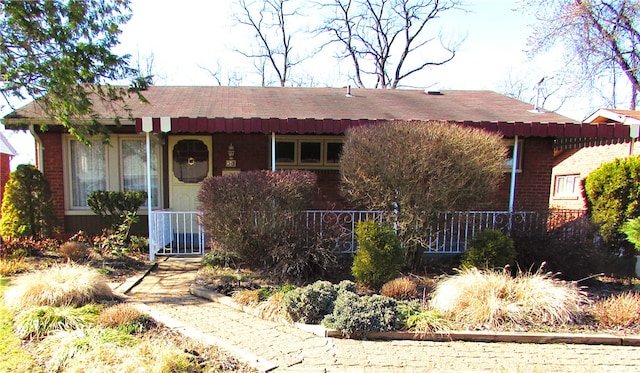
120	165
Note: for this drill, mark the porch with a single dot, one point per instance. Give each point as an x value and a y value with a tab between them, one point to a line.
173	233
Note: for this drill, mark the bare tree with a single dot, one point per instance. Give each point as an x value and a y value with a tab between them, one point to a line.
222	78
548	90
269	20
381	37
597	34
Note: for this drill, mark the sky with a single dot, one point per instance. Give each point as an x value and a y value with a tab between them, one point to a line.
183	37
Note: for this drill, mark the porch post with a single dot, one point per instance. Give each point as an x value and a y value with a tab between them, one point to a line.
149	206
273	151
512	188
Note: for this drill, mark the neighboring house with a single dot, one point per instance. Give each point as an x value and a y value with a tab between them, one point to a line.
6	153
198	132
576	159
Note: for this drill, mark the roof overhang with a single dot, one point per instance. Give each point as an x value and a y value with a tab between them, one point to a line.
312	126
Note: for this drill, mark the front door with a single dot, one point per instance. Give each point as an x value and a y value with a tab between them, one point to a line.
190	162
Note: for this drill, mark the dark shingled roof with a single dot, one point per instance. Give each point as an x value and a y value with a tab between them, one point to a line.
330	110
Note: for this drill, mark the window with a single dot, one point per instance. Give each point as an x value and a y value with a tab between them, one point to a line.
308	151
134	167
567	186
190	161
122	165
508	164
88	170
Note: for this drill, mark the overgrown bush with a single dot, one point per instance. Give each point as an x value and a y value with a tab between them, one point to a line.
612	192
311	303
489	249
379	255
27	206
115	207
401	288
419	169
572	252
354	315
259	217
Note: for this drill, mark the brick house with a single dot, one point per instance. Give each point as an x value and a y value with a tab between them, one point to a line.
196	132
574	160
6	153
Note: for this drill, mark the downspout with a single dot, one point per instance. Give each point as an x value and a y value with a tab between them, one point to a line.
273	151
512	187
39	149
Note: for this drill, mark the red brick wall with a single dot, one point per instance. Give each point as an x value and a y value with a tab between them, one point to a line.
53	171
5	171
532	183
252	151
582	162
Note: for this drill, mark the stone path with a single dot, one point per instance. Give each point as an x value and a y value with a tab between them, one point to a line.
269	346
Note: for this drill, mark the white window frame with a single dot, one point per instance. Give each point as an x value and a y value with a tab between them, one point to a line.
297	162
121	138
114	171
561	181
509	162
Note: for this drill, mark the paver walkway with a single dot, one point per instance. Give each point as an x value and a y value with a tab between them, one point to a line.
281	348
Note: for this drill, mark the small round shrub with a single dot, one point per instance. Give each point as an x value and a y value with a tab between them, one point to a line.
311	303
401	288
74	251
379	255
354	315
489	249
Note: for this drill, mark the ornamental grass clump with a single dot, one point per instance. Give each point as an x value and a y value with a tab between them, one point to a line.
64	285
125	317
37	322
401	288
618	310
494	298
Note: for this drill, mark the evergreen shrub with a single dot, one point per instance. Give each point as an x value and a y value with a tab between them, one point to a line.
379	255
27	206
354	315
113	207
612	192
489	249
310	304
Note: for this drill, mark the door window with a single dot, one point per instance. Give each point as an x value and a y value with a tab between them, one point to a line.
190	161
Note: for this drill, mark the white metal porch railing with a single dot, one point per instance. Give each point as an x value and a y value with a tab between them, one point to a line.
180	233
175	233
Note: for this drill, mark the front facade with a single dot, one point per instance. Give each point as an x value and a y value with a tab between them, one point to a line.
190	133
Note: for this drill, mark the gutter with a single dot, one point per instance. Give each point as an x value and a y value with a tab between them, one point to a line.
39	149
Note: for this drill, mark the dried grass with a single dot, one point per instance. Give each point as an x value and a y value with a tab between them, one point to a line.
10	267
273	309
249	298
618	310
64	285
494	298
401	288
125	317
